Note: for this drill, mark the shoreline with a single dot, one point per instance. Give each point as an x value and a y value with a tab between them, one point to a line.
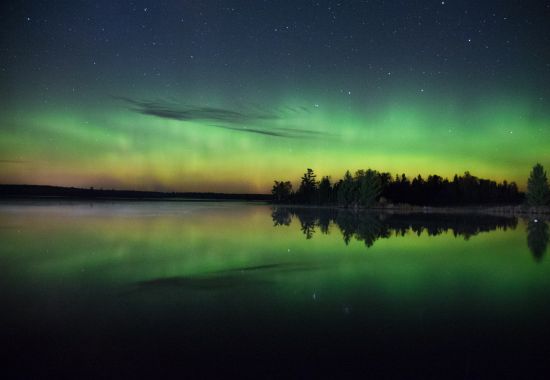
44	193
509	210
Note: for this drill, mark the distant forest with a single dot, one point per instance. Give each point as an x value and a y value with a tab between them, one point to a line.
37	191
369	187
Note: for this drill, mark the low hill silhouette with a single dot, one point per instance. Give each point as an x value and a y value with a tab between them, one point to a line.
40	191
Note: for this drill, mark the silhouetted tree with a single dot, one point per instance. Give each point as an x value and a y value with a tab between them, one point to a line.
325	191
417	190
367	187
307	192
537	187
369	183
346	190
469	188
281	191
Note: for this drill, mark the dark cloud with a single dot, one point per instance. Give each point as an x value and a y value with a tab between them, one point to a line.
277	132
189	113
253	130
261	120
306	132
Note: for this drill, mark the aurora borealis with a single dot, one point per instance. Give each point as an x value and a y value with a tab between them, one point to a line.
229	95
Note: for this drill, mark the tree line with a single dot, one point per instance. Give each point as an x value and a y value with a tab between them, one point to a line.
368	187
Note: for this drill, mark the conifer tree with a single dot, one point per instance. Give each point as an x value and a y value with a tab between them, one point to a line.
538	192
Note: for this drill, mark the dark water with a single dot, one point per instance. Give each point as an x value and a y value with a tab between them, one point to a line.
197	289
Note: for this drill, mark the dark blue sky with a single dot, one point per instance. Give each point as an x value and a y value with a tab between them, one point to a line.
362	45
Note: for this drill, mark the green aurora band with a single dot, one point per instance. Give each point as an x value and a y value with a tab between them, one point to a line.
110	145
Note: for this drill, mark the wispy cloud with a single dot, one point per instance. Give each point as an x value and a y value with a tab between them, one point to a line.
190	113
253	130
262	122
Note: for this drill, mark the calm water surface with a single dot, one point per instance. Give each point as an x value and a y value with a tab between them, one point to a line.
113	288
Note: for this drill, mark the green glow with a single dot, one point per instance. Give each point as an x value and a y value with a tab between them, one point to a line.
99	250
111	146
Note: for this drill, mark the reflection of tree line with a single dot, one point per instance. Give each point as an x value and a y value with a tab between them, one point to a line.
537	237
368	227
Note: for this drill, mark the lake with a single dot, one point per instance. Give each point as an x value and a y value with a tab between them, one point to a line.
105	288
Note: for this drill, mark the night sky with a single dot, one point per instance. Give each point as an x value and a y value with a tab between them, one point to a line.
229	95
